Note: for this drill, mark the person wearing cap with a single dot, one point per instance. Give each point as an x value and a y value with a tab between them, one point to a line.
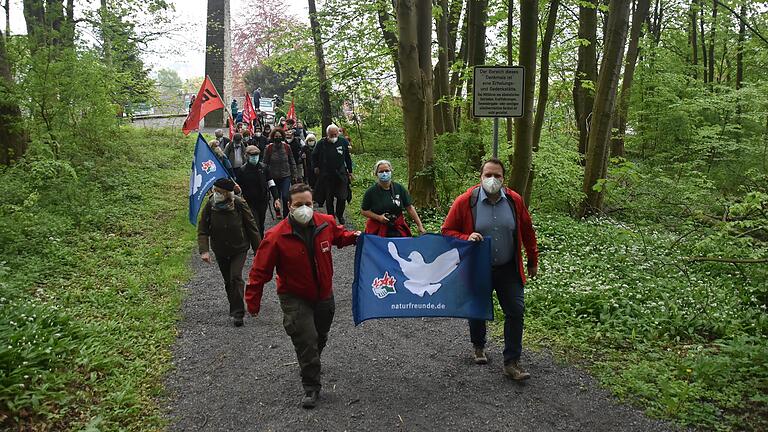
384	203
223	141
257	185
299	248
227	227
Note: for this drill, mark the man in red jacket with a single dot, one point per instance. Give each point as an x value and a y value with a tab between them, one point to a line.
300	248
489	211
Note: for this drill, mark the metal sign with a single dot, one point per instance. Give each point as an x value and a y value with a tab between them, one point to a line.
498	91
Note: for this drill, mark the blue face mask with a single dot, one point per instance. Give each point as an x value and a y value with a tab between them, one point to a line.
385	176
253	160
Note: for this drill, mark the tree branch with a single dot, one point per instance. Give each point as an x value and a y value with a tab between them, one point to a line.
729	260
743	20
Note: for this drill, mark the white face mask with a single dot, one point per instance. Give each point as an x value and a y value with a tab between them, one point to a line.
333	140
302	214
491	185
258	134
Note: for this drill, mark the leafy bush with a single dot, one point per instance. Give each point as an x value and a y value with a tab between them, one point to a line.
94	250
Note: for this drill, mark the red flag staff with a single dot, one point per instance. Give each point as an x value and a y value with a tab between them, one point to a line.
249	113
207	100
231	126
291	112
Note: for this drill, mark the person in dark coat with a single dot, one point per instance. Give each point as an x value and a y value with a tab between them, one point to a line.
223	141
332	164
279	158
235	152
309	173
227	227
216	148
259	190
259	139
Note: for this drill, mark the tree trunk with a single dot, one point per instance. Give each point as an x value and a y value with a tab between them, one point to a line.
702	34
712	42
641	12
605	99
694	39
740	52
106	39
476	18
13	138
390	38
521	160
454	17
442	109
457	85
325	97
586	72
541	102
510	61
414	53
7	7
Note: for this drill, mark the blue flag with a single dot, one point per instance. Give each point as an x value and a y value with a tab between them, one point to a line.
427	276
206	169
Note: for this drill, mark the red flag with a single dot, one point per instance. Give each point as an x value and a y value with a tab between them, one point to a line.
231	126
249	113
291	112
207	100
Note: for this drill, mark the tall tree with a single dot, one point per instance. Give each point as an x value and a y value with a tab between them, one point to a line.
712	31
704	57
7	7
522	157
541	102
642	8
441	88
13	138
390	38
325	96
605	100
694	42
740	52
586	71
414	25
477	15
510	60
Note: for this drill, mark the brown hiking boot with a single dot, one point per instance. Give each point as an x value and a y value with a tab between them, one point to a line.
480	357
515	371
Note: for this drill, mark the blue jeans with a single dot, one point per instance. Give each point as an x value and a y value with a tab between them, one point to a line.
283	186
509	290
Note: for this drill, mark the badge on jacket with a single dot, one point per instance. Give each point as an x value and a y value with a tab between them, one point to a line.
325	246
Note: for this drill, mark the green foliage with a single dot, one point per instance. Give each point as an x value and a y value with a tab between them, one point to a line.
685	339
94	250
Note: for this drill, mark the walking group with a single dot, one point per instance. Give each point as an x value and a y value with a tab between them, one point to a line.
290	171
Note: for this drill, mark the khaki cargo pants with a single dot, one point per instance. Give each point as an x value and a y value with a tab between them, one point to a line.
307	324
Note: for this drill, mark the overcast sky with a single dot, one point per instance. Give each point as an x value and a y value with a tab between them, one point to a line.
184	50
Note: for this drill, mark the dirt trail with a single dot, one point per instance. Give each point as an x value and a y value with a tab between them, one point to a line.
404	374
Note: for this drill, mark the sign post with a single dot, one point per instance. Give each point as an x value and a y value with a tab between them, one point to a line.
497	92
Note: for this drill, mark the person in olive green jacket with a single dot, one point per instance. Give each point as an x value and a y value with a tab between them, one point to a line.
228	227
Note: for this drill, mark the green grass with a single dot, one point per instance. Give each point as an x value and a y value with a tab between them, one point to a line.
93	260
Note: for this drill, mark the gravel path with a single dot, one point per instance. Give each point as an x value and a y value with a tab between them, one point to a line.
397	374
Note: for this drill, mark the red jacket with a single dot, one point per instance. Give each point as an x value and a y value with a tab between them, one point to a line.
460	224
286	251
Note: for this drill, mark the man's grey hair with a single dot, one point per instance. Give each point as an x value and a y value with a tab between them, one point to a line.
380	163
219	133
330	128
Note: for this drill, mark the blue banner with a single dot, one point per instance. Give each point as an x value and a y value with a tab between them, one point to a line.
426	276
206	169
